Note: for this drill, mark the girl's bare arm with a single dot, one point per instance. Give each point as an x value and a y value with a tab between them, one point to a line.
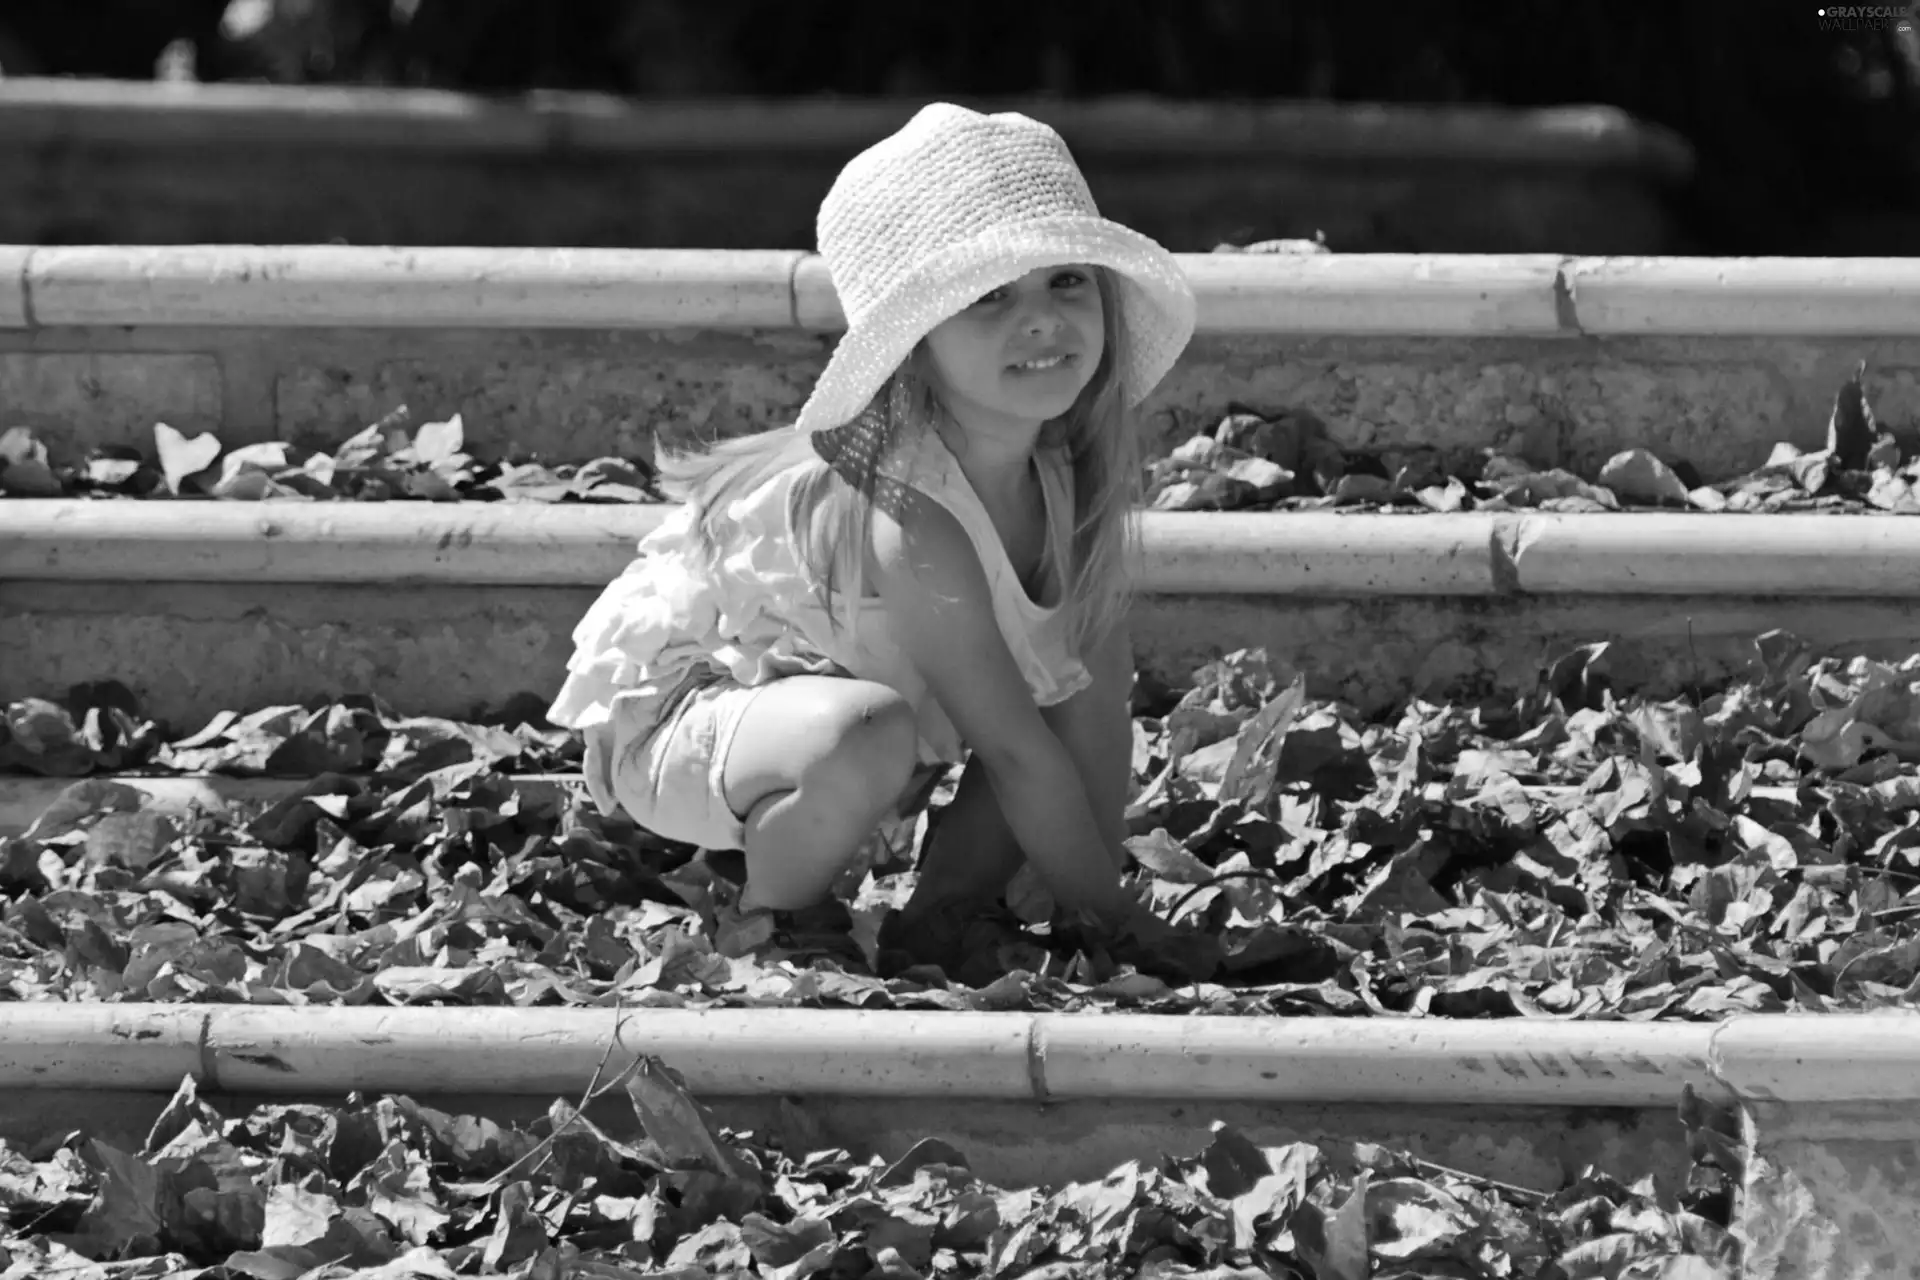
941	611
1096	726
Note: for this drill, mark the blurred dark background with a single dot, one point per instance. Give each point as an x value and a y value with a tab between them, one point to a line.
1805	132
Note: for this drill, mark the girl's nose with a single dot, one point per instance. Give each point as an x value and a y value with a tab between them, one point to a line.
1041	316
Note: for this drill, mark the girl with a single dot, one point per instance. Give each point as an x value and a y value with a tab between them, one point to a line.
933	557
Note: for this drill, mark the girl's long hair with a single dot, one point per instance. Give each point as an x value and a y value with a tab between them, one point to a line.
830	506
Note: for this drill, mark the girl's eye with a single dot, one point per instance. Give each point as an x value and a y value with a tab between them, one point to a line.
1061	280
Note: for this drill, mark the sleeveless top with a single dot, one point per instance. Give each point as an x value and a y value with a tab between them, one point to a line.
668	625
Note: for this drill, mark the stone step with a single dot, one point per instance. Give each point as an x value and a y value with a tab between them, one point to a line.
1027	1096
1824	1101
574	354
447	608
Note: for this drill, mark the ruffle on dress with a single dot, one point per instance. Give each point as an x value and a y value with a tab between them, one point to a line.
669	620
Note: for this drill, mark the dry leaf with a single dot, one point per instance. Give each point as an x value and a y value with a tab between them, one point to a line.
181	458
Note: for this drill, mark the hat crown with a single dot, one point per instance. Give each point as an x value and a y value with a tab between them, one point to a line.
948	176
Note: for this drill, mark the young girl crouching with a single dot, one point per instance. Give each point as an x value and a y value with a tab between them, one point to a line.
930	566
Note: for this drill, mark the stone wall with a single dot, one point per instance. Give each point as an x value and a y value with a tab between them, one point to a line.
225	164
103	193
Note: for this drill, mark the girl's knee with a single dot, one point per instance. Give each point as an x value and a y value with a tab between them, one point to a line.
874	757
874	746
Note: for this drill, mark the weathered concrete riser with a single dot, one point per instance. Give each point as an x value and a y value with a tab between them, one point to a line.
191	650
1717	402
1831	1196
1016	1144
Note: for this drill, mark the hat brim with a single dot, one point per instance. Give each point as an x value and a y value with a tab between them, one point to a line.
1155	299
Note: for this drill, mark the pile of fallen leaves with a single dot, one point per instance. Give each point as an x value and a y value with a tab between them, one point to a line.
1288	461
387	461
1567	855
388	1189
99	728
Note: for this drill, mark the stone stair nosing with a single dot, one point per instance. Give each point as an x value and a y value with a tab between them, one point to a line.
1037	1057
331	286
1326	554
1527	295
1045	1057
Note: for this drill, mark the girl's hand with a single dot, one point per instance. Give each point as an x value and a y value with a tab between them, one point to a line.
1151	945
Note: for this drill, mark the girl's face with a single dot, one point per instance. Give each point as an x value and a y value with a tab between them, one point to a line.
1022	353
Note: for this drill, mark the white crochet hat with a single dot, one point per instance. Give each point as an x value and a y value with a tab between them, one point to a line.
921	224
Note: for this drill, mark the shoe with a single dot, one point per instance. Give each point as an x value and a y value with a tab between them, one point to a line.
972	943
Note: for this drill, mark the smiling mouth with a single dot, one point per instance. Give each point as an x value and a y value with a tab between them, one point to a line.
1043	366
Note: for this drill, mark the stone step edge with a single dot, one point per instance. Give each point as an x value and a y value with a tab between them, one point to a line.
1418	295
1291	553
1774	1058
51	111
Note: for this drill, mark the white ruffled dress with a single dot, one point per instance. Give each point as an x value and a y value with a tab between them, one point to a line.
668	623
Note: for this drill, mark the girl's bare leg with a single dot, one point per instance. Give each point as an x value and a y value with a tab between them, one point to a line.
816	764
971	853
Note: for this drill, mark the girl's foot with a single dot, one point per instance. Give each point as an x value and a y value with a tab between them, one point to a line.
973	943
